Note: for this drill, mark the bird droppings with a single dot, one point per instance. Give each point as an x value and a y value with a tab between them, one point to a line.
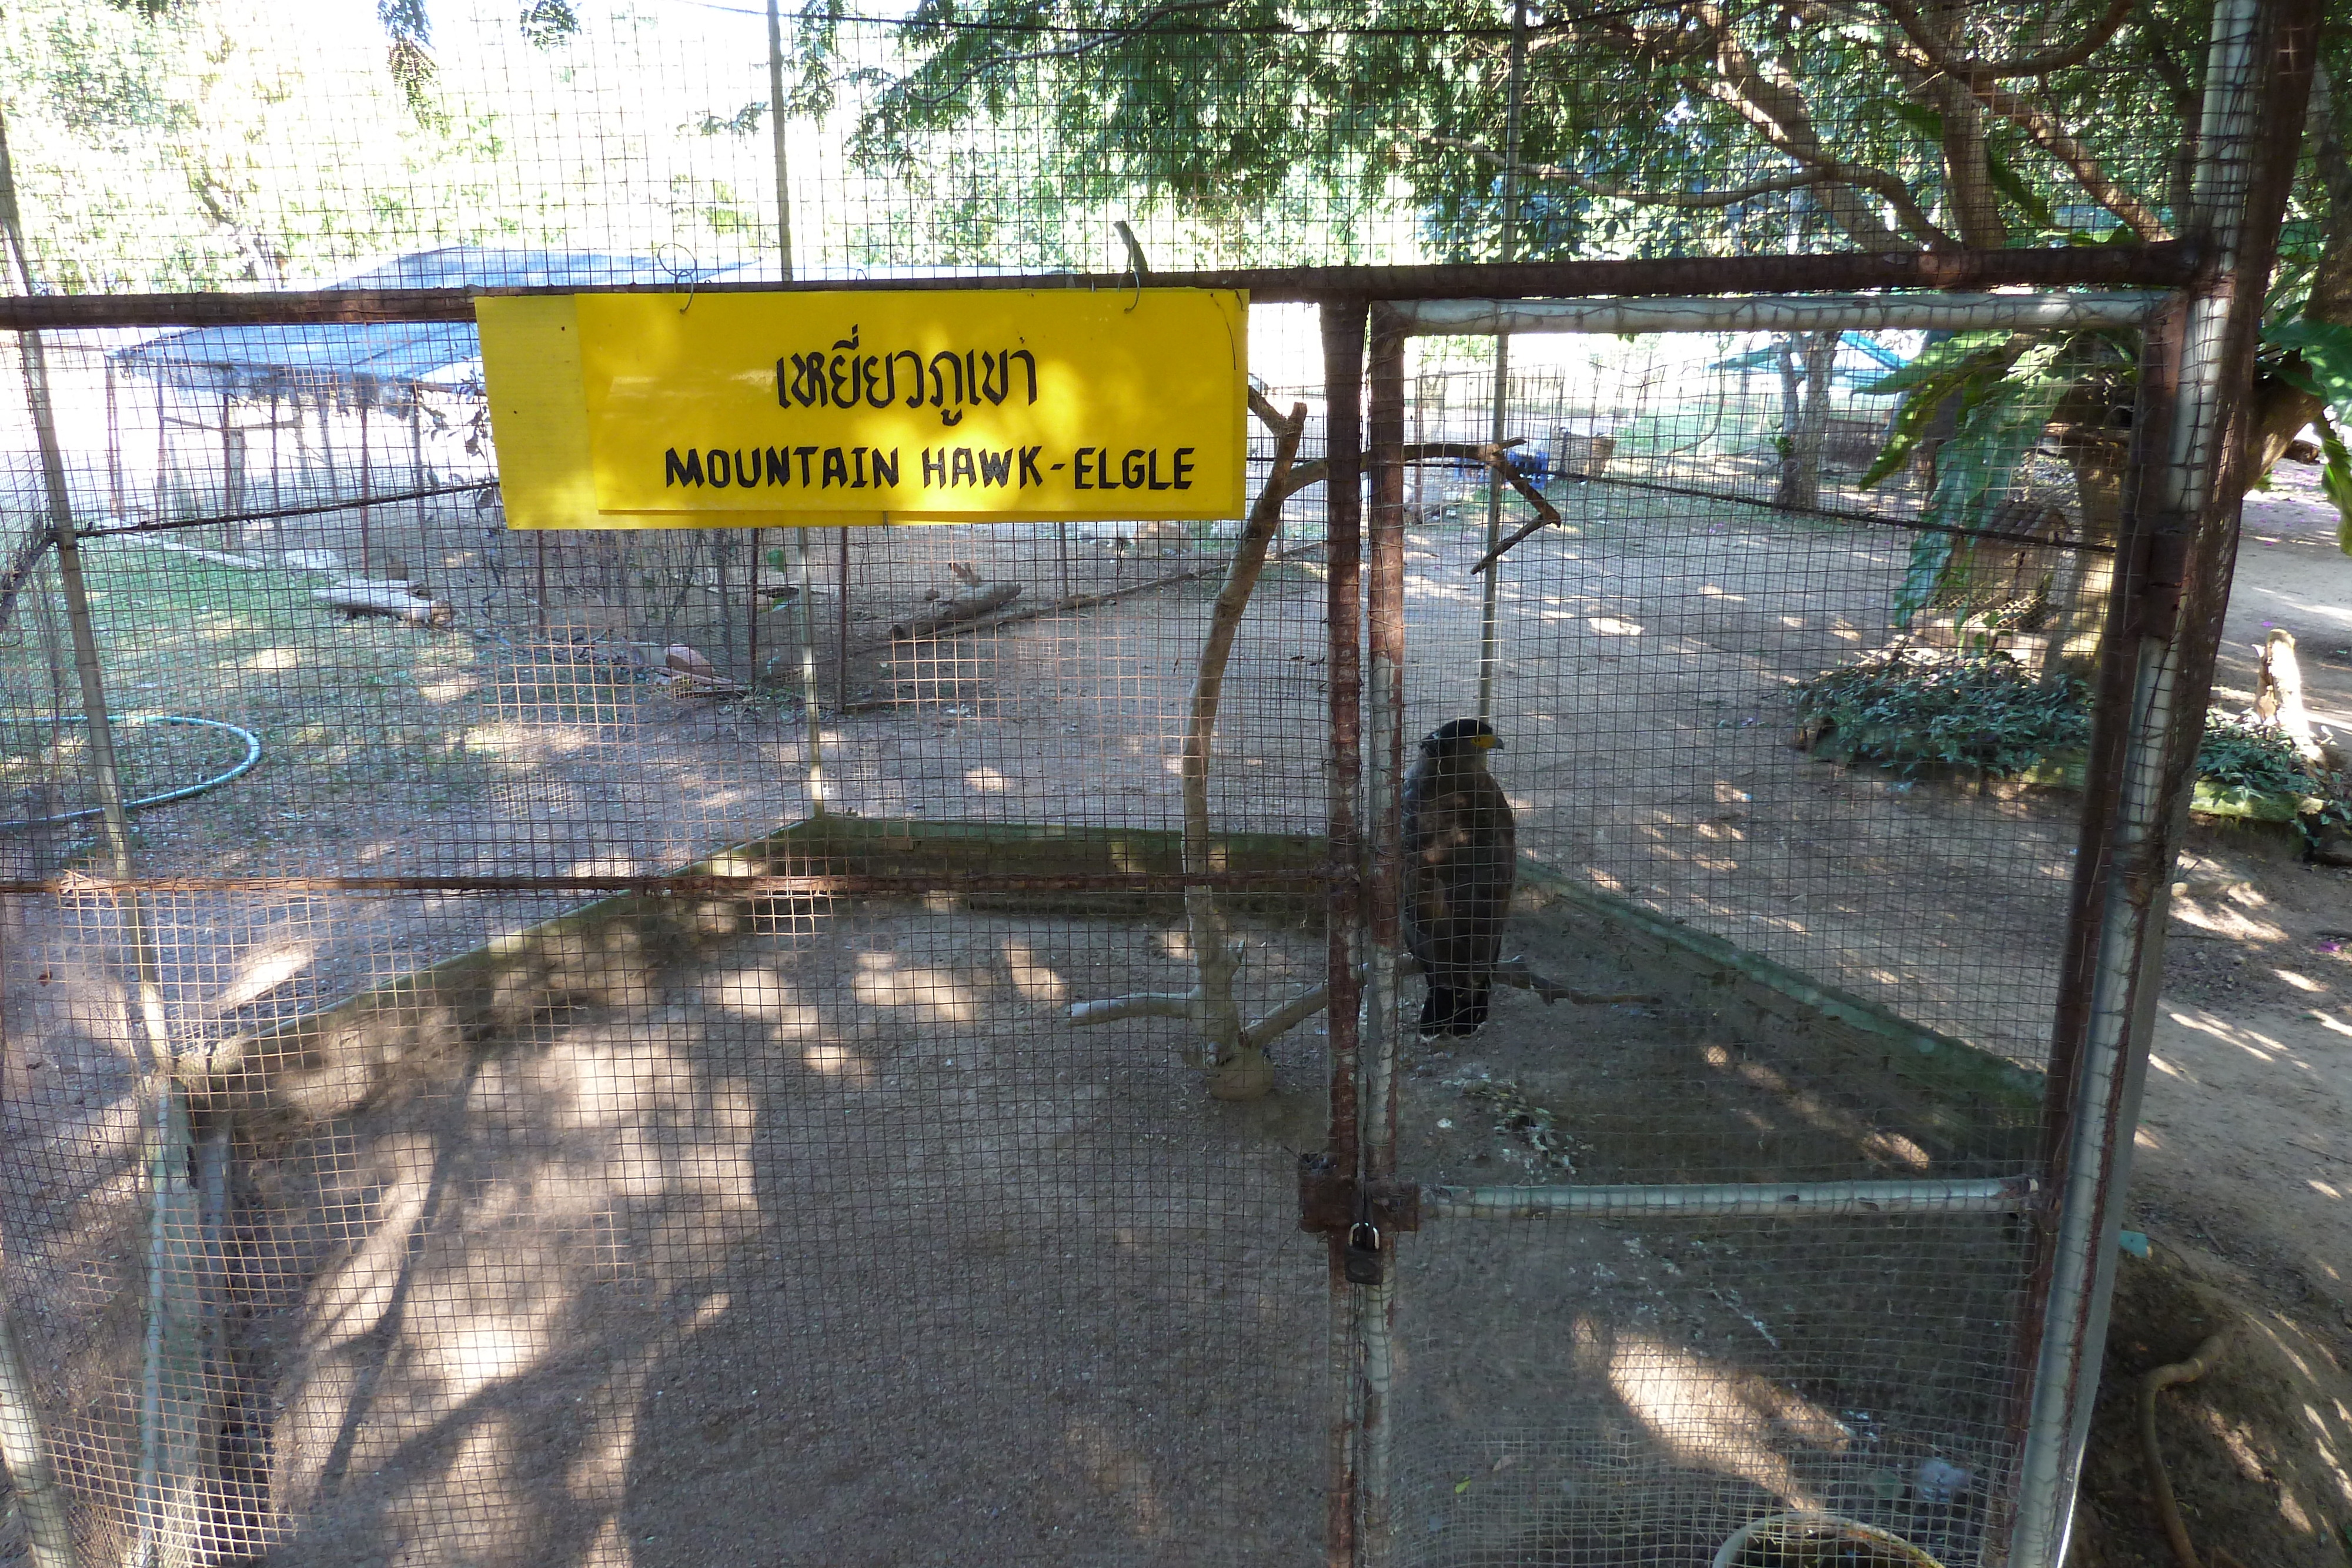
1548	1146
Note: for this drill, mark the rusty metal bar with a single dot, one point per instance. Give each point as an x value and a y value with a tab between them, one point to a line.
79	884
2148	509
173	525
2168	265
1735	1200
1343	326
1385	434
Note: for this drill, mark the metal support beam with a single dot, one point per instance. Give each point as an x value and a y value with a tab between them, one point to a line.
2258	75
2165	265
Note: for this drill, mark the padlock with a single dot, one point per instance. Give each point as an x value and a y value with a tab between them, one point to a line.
1364	1263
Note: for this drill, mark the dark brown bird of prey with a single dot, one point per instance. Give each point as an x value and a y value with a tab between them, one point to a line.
1460	854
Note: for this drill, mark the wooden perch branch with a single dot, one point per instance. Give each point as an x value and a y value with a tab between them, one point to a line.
1546	513
394	601
1516	973
1237	1068
963	607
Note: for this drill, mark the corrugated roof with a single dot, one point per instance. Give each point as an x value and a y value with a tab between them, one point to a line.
377	364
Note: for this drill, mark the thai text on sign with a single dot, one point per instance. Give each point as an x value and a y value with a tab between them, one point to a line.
954	405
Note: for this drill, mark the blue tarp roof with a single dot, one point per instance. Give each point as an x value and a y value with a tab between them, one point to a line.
1845	374
378	365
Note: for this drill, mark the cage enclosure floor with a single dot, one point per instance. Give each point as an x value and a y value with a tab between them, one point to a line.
810	1231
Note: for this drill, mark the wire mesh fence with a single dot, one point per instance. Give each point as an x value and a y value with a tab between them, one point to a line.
782	1045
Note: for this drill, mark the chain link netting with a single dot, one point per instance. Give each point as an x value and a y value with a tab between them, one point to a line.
688	1045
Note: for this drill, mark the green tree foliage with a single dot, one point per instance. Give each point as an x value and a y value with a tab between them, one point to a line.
1644	130
1680	126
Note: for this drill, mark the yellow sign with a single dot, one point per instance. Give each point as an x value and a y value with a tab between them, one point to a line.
754	410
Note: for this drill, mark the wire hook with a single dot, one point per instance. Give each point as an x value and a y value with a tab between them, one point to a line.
691	271
1136	270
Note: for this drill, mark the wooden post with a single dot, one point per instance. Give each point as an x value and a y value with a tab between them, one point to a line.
232	468
162	456
113	449
841	627
367	488
751	623
776	133
416	453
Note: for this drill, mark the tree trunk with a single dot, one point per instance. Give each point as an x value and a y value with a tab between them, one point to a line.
1806	359
1968	169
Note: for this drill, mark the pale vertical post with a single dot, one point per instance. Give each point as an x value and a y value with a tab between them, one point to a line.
367	487
2170	600
804	613
1510	239
23	1445
776	132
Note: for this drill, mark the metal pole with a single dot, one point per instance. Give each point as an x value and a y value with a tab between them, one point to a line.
1385	432
113	448
1487	594
803	615
811	712
367	488
1785	313
2257	77
1726	1200
752	618
416	456
776	131
1343	373
232	499
841	628
23	1446
162	456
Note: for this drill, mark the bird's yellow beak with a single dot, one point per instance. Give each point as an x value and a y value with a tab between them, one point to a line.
1490	742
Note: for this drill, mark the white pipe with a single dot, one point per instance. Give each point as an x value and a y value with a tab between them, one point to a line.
1782	313
1816	1200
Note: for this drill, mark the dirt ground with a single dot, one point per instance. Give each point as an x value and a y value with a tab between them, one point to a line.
558	1290
2243	1174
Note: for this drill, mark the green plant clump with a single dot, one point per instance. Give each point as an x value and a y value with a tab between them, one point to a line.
2242	761
1913	708
1910	709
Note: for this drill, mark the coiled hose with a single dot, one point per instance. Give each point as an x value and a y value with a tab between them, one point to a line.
252	755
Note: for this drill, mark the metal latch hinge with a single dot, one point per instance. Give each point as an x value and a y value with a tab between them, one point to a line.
2163	573
1331	1200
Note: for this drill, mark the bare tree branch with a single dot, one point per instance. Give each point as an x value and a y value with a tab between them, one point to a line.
2057	60
1699	34
1625	194
1930	50
1547	515
1103	39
